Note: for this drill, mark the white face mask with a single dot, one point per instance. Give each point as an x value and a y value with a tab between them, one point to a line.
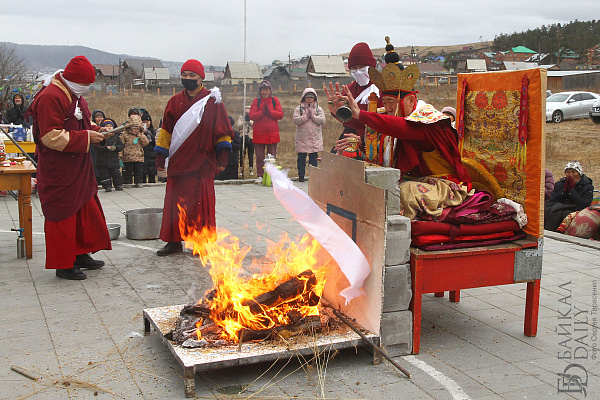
76	88
361	76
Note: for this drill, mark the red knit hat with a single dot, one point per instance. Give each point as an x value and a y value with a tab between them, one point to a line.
194	66
361	54
80	70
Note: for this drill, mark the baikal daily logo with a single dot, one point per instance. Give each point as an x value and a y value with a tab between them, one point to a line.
577	330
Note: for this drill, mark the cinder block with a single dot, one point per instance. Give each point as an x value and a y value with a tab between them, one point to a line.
397	241
385	178
396	332
397	288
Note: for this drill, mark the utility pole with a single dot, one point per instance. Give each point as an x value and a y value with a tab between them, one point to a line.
244	109
290	63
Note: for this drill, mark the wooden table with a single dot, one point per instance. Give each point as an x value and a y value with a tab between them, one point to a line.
18	177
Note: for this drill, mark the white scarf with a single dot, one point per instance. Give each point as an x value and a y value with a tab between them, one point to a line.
363	97
190	120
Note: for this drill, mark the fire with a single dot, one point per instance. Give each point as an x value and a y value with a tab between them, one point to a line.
235	300
198	333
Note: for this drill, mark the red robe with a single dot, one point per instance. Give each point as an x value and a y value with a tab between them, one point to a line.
192	169
355	126
414	139
74	221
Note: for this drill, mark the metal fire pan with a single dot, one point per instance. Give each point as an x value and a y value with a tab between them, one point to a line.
162	319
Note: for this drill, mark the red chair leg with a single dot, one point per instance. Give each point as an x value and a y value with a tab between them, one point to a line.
455	296
532	304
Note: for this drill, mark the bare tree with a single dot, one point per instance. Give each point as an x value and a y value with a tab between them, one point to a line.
12	74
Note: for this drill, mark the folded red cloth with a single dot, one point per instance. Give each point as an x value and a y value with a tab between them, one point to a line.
419	228
478	243
438	239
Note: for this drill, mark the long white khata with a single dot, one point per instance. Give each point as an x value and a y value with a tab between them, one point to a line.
317	223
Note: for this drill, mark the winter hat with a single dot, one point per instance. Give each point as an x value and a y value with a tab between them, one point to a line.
450	110
80	70
98	112
133	111
194	66
576	165
310	94
146	116
265	85
361	54
107	121
134	121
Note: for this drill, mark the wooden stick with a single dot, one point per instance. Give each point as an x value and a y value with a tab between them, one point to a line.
24	372
375	347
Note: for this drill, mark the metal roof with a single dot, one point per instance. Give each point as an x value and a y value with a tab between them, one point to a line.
235	70
138	63
522	49
156	73
476	65
518	65
326	66
571	73
107	70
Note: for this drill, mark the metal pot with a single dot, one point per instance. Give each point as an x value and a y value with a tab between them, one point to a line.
114	230
143	223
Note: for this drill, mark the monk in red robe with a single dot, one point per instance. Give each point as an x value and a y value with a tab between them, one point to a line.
359	60
193	145
74	221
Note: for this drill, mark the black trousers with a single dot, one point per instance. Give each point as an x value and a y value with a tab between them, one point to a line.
136	169
247	147
301	162
110	174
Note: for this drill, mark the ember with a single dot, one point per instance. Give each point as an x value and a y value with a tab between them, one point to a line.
281	302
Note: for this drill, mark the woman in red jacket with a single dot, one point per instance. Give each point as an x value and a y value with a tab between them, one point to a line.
265	112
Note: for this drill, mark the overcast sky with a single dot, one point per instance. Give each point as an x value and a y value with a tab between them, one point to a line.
213	31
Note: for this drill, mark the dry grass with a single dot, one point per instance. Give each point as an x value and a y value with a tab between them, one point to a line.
565	141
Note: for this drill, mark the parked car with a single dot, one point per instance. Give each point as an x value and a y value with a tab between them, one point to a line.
595	112
569	105
548	93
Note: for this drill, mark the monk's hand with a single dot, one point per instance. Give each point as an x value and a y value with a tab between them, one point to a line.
96	137
347	97
332	100
344	143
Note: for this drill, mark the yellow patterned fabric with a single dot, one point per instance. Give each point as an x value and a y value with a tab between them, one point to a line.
491	137
163	139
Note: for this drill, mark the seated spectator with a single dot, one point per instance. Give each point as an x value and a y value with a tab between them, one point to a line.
549	185
451	112
574	192
583	224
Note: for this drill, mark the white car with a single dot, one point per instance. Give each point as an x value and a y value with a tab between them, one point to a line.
569	105
595	112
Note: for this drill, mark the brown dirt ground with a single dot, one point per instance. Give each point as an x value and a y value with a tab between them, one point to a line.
569	140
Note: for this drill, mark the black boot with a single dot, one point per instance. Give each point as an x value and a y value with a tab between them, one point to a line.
170	248
85	261
73	274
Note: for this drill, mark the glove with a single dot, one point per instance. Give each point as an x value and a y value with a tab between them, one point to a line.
247	117
569	184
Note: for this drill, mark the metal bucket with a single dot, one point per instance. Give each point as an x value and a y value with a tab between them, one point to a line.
114	230
143	223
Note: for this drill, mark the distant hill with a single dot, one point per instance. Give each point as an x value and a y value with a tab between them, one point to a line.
424	50
47	59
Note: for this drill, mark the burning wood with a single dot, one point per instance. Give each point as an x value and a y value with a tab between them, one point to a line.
285	311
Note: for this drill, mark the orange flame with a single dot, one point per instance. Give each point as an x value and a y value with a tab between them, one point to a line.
198	333
235	291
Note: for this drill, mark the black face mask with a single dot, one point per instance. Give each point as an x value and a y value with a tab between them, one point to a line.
189	84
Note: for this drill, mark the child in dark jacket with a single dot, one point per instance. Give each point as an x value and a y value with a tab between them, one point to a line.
107	159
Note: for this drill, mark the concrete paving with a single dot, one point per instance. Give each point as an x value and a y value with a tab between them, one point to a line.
84	339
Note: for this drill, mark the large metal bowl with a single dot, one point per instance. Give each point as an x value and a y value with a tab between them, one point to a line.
114	230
